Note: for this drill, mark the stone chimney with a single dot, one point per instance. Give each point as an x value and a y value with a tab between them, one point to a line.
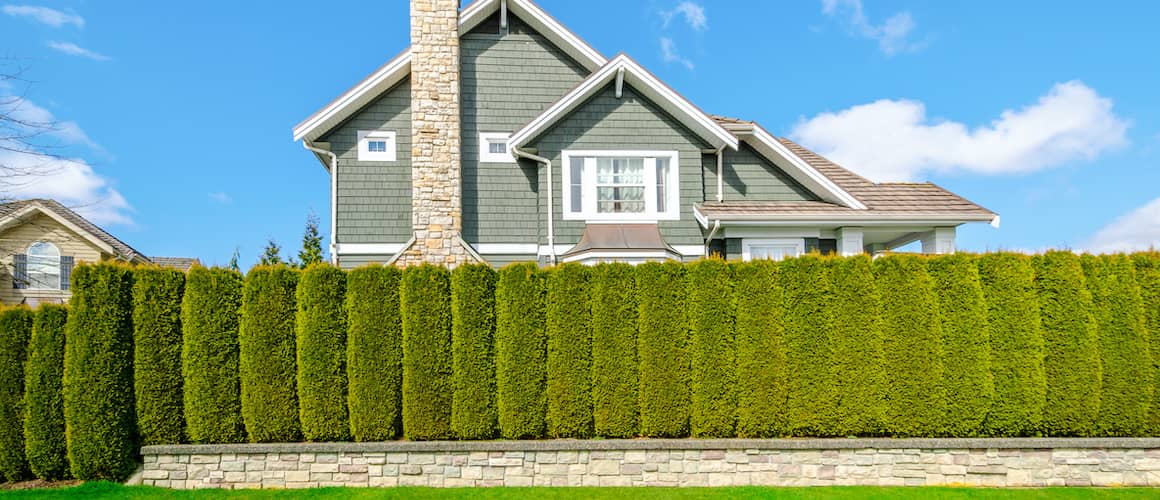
436	179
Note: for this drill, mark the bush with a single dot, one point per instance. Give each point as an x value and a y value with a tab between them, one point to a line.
44	431
662	344
856	339
762	368
1124	399
1071	363
520	351
427	360
1016	344
810	399
157	354
912	349
321	325
98	374
209	356
267	355
712	353
966	339
569	388
615	370
15	330
374	353
473	405
1148	276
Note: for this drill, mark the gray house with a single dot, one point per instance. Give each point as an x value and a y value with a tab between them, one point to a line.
501	136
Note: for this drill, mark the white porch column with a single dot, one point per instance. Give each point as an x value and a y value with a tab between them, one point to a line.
849	241
939	241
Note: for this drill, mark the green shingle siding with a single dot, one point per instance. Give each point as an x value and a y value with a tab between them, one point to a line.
349	262
749	176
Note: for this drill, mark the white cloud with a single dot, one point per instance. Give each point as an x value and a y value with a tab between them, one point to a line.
28	112
892	35
669	50
220	198
73	49
45	15
891	140
693	13
1137	230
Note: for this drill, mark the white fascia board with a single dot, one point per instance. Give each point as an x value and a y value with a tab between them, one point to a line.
859	220
19	218
354	99
800	170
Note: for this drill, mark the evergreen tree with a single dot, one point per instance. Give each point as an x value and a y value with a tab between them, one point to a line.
271	255
311	252
233	265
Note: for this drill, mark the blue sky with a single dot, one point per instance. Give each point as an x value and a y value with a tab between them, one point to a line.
177	115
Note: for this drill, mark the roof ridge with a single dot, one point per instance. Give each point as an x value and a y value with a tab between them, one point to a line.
83	223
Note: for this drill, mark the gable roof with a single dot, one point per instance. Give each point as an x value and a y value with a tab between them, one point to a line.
18	212
399	67
178	263
624	70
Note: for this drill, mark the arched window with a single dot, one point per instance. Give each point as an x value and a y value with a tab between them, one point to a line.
43	266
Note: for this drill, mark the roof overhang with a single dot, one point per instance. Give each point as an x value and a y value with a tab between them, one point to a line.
868	219
24	214
623	70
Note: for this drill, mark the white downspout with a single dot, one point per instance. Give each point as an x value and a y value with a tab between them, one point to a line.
333	199
716	227
551	199
720	174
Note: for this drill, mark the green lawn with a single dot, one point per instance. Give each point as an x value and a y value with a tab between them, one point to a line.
111	491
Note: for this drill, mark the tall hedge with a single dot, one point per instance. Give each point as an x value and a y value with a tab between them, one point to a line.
712	351
15	331
810	397
321	325
157	379
98	374
44	430
1127	366
1148	276
427	360
473	405
267	355
374	353
569	388
857	355
1071	362
912	347
615	367
521	351
209	356
762	366
966	339
1008	281
662	344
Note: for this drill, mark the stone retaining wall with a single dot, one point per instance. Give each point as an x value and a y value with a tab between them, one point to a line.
735	462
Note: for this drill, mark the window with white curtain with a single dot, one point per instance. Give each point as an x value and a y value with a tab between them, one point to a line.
43	266
772	249
620	185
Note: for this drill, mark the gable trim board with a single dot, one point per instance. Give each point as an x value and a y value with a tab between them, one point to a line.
870	218
53	210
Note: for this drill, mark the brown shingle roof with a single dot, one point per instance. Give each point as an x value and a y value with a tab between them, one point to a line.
64	212
179	263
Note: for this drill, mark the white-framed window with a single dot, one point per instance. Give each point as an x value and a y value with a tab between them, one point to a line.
773	249
618	186
43	266
376	145
493	148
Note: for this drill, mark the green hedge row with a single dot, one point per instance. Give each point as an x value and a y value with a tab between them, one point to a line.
856	339
157	294
521	351
569	385
15	332
473	334
374	353
615	368
44	428
663	346
763	374
428	385
267	359
210	313
321	326
1148	276
966	341
810	394
712	354
1071	362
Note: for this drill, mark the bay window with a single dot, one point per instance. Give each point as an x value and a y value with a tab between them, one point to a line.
620	186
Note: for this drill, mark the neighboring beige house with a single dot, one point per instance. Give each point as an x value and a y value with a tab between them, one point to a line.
40	243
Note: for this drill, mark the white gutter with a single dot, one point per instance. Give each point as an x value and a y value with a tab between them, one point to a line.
720	174
520	153
333	199
716	227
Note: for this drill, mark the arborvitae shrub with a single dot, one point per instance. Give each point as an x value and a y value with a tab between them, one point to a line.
615	370
473	406
1016	344
856	337
1127	367
521	351
157	296
267	355
912	347
15	330
966	339
712	353
806	292
569	388
44	434
321	325
1148	276
662	344
762	367
427	360
209	356
1071	363
374	353
98	374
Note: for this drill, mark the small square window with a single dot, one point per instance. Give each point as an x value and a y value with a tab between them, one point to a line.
376	145
493	148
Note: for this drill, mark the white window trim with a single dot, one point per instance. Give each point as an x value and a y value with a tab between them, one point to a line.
748	243
485	154
588	211
366	136
28	270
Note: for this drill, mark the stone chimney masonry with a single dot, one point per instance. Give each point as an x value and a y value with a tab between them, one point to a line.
436	179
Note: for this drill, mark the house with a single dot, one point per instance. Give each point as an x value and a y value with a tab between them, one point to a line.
502	136
40	243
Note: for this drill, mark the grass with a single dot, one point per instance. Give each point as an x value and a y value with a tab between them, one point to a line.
109	490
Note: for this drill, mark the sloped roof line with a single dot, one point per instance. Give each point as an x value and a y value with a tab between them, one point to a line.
13	211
